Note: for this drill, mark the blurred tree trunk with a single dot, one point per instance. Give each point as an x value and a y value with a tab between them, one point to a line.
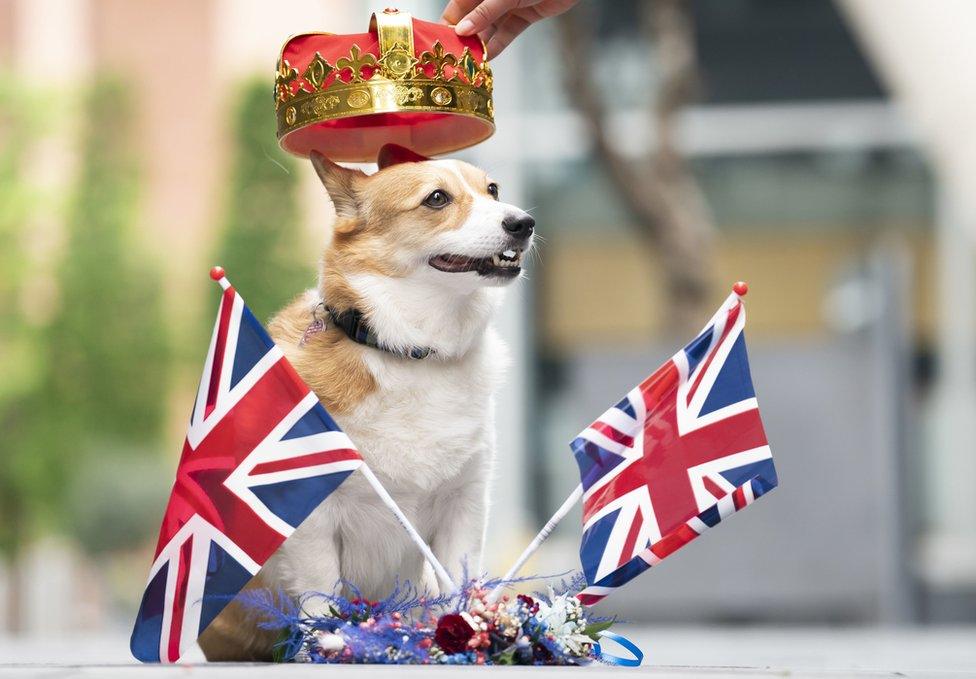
668	209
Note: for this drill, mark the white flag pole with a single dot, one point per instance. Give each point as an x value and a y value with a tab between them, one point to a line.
537	541
442	574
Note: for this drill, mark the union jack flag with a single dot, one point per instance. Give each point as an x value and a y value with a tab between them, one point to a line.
682	451
261	453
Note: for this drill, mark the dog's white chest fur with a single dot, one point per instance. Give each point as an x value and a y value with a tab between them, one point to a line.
428	418
427	432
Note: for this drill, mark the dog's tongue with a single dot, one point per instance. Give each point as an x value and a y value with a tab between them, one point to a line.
455	260
498	265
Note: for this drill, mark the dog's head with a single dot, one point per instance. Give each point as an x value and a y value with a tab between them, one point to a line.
438	221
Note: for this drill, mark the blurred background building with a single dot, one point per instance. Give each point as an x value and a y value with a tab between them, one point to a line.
822	150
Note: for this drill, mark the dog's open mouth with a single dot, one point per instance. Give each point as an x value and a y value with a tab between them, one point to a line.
508	263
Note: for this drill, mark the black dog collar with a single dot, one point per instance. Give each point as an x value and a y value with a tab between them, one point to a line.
358	330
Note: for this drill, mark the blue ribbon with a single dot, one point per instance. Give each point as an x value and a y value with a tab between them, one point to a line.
616	659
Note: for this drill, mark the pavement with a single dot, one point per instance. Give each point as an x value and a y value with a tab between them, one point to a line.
683	653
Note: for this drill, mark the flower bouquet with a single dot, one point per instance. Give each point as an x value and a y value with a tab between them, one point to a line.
407	628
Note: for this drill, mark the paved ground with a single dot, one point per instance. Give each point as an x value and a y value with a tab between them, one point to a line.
683	653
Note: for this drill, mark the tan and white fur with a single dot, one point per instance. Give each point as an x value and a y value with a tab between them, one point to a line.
423	248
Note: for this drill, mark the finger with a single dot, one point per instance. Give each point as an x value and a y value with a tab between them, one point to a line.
507	31
486	34
457	9
487	13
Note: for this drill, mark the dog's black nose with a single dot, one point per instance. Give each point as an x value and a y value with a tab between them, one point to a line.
520	226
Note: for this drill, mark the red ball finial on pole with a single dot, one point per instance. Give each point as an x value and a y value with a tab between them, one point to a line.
740	288
217	273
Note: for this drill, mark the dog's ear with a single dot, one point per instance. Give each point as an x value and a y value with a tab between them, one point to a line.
394	154
341	183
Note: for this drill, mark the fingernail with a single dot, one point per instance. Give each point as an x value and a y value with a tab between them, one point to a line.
465	27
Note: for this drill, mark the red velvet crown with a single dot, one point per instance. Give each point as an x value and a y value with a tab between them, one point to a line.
406	81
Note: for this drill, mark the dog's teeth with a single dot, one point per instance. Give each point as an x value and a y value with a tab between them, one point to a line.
508	260
510	257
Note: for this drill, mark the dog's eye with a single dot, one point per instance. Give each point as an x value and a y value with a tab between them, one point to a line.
437	199
493	190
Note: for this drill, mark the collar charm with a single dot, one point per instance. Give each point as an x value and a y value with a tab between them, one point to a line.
316	326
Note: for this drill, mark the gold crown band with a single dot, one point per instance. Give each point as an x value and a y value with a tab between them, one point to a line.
384	96
396	81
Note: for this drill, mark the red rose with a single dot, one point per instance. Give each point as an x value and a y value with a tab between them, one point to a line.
529	602
453	633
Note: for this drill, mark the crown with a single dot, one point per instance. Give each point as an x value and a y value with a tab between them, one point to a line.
406	81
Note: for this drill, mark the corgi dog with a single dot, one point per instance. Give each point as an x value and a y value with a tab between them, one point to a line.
396	343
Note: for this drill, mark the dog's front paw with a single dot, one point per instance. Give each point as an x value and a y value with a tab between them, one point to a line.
429	586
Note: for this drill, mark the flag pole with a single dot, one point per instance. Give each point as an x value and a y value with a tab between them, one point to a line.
537	541
407	526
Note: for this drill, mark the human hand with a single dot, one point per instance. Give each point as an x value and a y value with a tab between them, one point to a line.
498	22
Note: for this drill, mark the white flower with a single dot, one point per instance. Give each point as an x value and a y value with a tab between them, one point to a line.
329	642
577	644
563	615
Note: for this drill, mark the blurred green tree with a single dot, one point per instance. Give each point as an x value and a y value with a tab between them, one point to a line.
20	362
260	244
84	394
108	349
108	345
